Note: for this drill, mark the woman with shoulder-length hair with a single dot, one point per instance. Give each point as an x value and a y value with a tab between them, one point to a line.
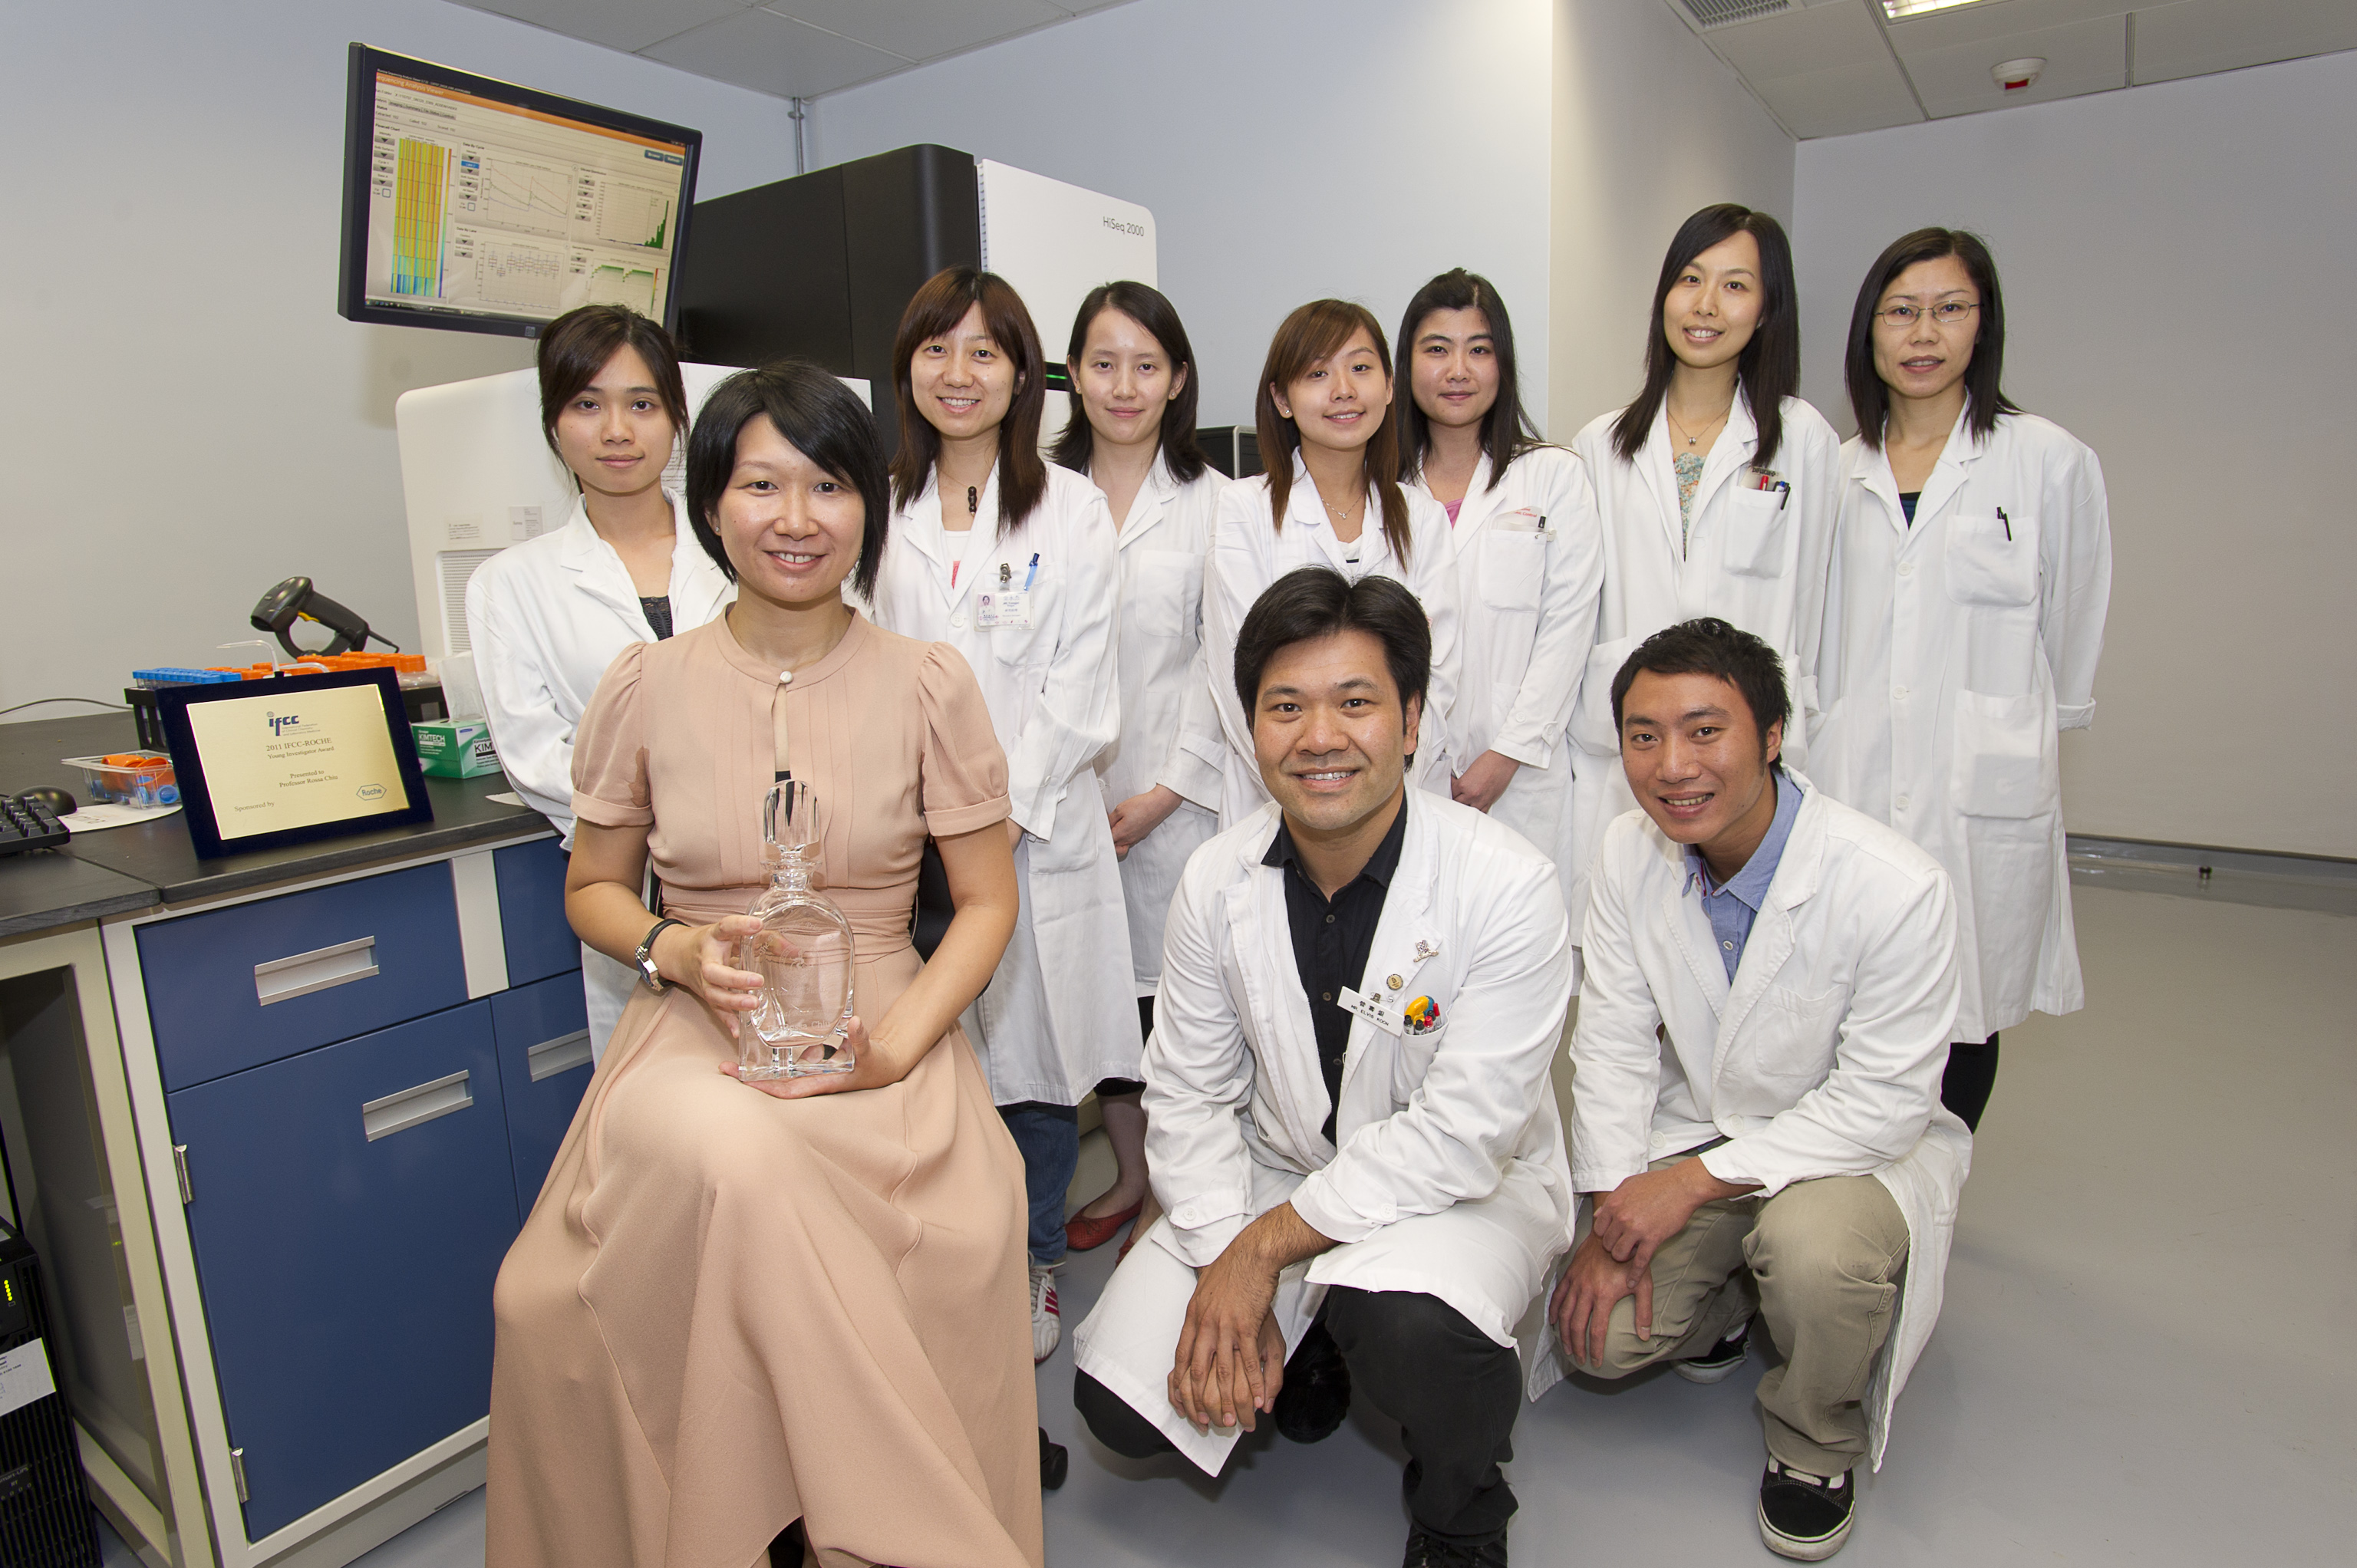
1971	575
1013	561
1133	434
1716	485
719	1318
1330	497
546	616
1529	553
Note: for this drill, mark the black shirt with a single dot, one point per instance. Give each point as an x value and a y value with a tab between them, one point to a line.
1331	940
658	612
1907	499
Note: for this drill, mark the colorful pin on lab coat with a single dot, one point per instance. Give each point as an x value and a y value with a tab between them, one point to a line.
1423	1016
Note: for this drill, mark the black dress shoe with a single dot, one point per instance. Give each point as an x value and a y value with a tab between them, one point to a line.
1055	1463
1426	1551
1317	1393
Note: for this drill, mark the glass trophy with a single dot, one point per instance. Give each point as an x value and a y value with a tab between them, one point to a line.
803	953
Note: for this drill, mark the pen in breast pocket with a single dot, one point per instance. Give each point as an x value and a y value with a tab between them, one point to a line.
2009	524
1031	570
1783	493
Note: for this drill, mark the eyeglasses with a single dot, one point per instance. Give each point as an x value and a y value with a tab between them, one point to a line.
1947	313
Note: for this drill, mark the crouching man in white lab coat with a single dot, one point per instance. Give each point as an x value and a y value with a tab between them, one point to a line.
1348	1112
1771	983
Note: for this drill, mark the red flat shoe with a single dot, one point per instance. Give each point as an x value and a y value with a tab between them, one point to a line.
1082	1234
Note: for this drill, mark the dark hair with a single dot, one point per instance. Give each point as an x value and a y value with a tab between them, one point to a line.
1309	603
575	346
1711	647
1984	398
1145	306
1769	365
1319	330
936	308
820	418
1507	433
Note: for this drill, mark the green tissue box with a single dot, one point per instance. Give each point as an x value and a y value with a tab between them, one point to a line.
455	748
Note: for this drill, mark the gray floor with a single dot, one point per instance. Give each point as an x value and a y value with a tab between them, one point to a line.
2148	1353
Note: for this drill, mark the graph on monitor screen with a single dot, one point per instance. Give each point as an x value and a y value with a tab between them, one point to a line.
485	208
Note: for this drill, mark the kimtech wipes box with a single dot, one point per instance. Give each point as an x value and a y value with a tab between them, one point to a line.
455	748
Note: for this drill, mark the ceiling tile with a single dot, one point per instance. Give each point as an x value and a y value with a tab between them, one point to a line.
1978	24
2198	35
1802	43
921	29
2081	57
1839	100
628	25
775	54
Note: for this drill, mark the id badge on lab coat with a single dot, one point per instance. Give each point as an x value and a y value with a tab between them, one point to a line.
1003	607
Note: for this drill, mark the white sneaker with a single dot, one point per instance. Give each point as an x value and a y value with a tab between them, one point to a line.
1047	1322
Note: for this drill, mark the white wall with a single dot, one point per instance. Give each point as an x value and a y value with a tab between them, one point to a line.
1288	151
2179	264
1649	125
190	419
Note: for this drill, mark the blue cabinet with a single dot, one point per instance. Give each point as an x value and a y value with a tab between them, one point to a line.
540	940
543	1031
349	1208
233	988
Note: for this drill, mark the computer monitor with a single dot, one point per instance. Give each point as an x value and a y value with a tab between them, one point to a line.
481	206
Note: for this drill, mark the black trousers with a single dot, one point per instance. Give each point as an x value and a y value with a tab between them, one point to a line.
1971	1073
1454	1391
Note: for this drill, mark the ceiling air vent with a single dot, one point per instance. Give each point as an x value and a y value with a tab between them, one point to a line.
1709	14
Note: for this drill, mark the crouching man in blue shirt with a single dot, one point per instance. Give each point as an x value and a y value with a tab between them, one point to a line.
1771	986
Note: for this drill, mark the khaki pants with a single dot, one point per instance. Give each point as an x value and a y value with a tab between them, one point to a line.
1820	1262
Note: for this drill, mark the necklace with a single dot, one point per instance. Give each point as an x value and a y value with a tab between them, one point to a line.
1707	429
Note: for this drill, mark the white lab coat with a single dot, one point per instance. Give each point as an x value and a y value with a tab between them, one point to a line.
1450	1179
1249	553
1164	542
544	619
1955	651
1059	1015
1822	1058
1530	566
1758	560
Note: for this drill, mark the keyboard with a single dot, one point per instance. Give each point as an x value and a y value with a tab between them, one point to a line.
29	824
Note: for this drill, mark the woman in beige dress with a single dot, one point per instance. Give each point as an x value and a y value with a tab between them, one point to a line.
739	1305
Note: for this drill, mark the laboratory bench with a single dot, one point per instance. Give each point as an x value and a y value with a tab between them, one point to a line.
271	1120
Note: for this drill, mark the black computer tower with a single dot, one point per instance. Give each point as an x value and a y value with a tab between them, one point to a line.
1232	449
820	266
45	1518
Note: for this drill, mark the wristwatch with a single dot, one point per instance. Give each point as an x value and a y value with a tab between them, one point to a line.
647	969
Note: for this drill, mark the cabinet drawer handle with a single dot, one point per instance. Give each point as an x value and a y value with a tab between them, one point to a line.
416	1107
283	979
563	1054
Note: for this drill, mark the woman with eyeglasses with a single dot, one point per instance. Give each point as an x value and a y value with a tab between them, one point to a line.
1716	486
1972	570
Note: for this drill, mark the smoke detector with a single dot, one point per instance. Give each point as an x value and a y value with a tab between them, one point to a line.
2014	75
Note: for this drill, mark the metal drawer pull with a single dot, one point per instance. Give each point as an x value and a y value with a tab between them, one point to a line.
416	1107
283	979
563	1054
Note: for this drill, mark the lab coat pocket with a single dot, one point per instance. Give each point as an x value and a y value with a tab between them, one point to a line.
1022	630
1592	729
1167	596
2007	760
1411	1057
1759	541
1794	1034
1992	559
1513	562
